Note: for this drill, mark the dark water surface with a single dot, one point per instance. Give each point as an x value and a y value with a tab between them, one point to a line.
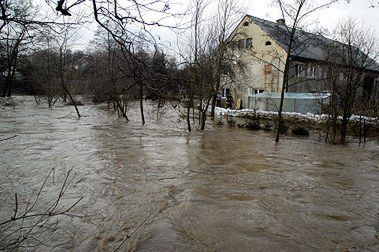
220	190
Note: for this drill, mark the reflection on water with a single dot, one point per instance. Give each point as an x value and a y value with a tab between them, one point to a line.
223	189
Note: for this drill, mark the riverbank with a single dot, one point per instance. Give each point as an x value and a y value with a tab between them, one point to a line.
358	125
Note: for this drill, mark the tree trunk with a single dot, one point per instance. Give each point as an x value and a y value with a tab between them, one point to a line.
73	101
68	93
213	108
7	84
9	90
203	120
285	83
121	109
188	117
344	124
141	104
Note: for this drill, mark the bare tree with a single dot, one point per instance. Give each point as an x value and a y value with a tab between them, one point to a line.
44	71
207	58
15	12
228	11
64	42
352	68
15	33
295	13
12	41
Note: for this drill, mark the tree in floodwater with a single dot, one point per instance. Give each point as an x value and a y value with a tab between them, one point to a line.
110	74
15	34
229	12
66	69
203	65
294	12
44	74
352	69
12	43
209	62
126	24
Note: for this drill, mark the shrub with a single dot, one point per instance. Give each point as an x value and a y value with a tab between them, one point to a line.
78	103
283	128
231	123
267	126
300	131
253	125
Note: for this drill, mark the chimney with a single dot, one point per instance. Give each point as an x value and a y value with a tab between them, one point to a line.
281	21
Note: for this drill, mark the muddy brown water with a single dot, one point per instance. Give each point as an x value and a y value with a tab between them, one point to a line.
225	189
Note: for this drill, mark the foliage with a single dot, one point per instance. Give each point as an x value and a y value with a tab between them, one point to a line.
253	125
300	131
281	127
231	122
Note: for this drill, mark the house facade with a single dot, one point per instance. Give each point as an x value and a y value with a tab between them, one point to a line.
259	50
258	62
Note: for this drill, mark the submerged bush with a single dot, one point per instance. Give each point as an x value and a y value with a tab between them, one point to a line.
283	128
253	125
300	131
266	126
78	103
231	123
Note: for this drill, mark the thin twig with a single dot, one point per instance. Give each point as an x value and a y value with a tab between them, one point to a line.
140	225
39	219
8	138
27	210
16	210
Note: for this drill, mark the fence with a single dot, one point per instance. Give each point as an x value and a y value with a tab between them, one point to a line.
293	102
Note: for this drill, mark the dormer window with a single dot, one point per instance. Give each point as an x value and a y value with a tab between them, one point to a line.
268	43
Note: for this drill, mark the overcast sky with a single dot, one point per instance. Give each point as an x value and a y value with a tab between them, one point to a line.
326	18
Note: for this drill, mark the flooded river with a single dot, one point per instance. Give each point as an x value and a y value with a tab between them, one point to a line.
225	189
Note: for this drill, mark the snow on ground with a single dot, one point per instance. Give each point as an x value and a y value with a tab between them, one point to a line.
271	114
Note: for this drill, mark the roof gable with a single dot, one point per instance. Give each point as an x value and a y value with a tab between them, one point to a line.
306	45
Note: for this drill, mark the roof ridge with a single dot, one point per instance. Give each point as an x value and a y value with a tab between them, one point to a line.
300	30
314	48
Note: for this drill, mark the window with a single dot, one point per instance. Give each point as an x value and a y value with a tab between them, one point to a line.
300	72
253	91
312	71
320	73
245	43
241	43
249	43
268	43
225	92
246	24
